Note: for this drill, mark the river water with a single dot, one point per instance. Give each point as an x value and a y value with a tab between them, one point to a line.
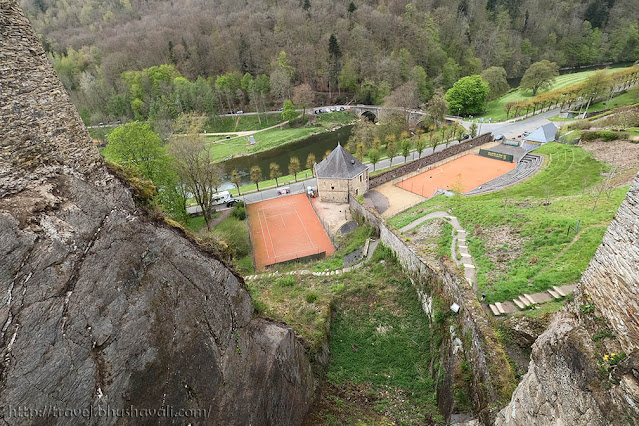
316	144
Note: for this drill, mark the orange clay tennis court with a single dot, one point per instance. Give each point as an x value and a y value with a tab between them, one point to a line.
284	229
462	174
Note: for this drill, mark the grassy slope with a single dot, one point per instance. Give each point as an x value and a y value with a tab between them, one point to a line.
548	254
496	108
377	317
226	124
269	139
623	99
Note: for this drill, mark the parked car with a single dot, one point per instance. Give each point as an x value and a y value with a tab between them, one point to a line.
232	201
466	136
240	112
229	113
342	108
318	111
526	134
499	137
283	191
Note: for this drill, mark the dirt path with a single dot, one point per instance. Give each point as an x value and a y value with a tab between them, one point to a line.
223	215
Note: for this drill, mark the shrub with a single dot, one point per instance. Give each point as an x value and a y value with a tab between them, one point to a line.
606	135
239	211
311	297
580	125
287	281
235	235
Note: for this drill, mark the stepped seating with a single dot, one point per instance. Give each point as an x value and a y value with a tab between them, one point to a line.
527	166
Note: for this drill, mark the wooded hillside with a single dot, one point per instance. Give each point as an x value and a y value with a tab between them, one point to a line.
375	47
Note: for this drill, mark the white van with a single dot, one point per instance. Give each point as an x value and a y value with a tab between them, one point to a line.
221	198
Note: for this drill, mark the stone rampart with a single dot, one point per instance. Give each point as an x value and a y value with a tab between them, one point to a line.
491	375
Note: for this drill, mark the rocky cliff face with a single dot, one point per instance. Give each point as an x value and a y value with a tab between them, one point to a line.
102	307
570	381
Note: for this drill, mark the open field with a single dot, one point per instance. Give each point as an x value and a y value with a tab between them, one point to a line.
242	123
523	239
268	139
496	108
284	229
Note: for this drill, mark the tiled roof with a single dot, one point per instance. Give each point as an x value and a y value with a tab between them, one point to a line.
339	164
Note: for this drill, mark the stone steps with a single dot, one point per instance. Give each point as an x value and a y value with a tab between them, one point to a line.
559	291
554	294
526	300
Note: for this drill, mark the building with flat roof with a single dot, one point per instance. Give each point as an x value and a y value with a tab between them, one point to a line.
339	174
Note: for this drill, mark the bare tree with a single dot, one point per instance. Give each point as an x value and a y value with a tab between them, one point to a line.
303	96
196	170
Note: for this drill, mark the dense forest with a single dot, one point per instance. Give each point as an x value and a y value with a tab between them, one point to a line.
157	58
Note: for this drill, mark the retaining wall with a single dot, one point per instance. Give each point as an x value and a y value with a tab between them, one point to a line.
492	379
430	160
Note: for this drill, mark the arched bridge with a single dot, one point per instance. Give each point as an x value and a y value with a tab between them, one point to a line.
372	112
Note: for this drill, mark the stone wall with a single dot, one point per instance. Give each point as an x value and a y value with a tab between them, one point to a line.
430	160
336	190
612	278
103	304
333	190
492	379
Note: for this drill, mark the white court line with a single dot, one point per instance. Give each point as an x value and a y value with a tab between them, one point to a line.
269	236
304	226
262	231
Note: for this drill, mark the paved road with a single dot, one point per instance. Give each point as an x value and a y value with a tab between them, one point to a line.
513	129
510	130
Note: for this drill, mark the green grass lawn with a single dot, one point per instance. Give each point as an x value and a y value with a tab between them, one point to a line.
496	110
225	124
627	98
376	317
337	117
269	139
519	237
196	223
282	181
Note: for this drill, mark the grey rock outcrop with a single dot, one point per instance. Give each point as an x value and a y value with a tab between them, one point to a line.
569	381
104	308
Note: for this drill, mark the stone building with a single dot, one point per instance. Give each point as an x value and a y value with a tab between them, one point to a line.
340	173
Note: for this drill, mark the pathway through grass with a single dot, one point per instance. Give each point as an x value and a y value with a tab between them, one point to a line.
522	238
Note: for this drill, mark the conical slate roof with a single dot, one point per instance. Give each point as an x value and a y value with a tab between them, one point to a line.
545	133
339	164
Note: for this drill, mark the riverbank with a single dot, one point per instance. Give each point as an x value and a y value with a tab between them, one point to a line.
268	139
